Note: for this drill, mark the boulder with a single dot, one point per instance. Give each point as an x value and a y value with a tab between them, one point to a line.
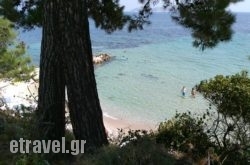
101	58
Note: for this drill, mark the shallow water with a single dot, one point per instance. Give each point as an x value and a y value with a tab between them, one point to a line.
144	81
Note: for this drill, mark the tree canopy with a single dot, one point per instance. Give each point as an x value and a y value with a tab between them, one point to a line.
209	20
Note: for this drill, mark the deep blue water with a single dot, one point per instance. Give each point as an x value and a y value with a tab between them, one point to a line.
143	83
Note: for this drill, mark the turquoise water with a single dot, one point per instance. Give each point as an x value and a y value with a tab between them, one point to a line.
144	80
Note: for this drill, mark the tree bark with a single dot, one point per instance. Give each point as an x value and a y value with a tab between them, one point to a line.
51	94
85	111
66	61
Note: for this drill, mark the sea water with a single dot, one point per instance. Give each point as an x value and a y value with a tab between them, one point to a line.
143	81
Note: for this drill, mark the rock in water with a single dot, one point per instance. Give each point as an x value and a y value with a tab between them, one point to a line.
101	58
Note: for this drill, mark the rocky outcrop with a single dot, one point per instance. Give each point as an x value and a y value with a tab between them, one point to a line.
101	58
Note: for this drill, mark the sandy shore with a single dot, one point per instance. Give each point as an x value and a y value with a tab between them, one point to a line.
14	94
19	93
112	125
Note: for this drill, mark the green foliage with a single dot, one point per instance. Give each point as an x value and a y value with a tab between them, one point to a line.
107	15
230	97
13	126
137	147
6	34
209	135
14	65
10	128
30	159
134	147
230	94
208	20
186	134
138	21
222	132
24	13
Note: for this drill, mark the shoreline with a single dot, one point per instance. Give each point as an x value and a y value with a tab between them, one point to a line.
18	93
113	124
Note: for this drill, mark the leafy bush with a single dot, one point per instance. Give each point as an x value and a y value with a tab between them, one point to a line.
30	159
230	129
229	94
186	134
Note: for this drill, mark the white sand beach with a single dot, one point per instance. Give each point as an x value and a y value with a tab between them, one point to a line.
17	93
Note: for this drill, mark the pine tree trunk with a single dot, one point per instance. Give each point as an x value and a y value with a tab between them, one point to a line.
85	111
51	94
67	54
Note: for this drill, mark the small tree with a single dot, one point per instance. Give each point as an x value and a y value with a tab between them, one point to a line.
230	130
229	94
14	65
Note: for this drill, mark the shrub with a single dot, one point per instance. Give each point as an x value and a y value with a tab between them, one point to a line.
136	147
186	134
